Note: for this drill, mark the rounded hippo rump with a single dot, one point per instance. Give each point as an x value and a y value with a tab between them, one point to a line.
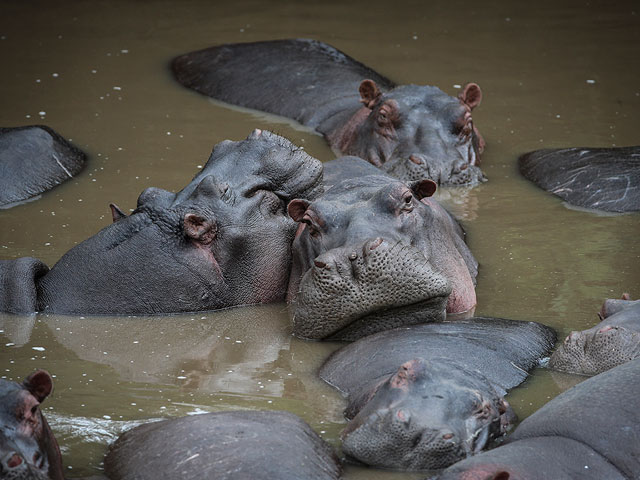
612	342
598	178
224	445
591	432
223	240
411	131
28	449
34	159
425	396
375	253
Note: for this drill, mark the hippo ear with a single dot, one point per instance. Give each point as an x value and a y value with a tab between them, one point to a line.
369	93
116	213
199	228
423	188
471	95
297	207
39	384
500	476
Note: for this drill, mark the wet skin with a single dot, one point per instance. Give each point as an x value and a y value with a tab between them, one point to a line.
425	396
375	253
410	131
223	240
28	449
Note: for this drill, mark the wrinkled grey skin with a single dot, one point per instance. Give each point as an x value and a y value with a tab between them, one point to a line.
410	131
28	449
223	240
33	160
256	445
589	432
374	253
612	342
598	178
426	396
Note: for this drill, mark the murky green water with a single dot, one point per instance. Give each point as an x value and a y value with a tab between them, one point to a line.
553	73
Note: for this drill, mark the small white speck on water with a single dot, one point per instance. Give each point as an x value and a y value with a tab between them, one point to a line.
106	417
557	116
47	244
124	50
42	113
591	81
28	116
94	71
415	37
55	75
39	349
457	86
168	133
38	80
117	88
181	377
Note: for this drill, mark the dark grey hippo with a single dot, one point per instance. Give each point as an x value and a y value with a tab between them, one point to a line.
410	131
599	178
375	253
425	396
589	432
223	240
612	342
256	445
28	449
33	160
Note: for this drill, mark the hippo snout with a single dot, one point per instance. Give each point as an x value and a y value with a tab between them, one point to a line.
370	280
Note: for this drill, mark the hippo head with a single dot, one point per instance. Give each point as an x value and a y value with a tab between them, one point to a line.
223	240
28	449
596	350
426	416
414	132
369	255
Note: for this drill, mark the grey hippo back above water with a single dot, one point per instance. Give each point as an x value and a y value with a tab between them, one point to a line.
410	131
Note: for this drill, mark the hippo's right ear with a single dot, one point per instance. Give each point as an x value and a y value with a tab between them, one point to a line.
39	384
423	188
370	94
116	213
297	208
199	228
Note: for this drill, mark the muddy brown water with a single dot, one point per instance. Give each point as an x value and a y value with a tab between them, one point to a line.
553	73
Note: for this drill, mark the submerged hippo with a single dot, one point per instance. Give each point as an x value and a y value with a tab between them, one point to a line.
252	445
425	396
33	160
599	178
410	131
374	253
614	341
28	449
223	240
590	432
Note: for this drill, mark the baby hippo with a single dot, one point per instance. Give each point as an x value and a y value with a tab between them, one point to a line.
612	342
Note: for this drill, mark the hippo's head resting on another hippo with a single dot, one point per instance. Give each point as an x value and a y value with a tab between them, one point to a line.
415	131
374	253
223	240
28	449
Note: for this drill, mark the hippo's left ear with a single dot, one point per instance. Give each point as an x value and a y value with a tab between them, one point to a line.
423	188
116	213
471	95
370	94
199	228
39	384
297	208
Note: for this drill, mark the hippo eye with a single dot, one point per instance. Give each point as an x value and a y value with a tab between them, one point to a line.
407	202
311	227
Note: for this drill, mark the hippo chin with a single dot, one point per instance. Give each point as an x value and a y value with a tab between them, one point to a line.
34	159
410	131
374	253
28	449
425	396
223	240
612	342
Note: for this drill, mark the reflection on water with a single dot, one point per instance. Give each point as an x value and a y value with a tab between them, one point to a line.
553	74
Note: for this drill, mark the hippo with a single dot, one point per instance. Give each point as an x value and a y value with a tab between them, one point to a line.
613	341
223	445
590	432
605	179
410	131
28	449
374	253
425	396
223	240
34	159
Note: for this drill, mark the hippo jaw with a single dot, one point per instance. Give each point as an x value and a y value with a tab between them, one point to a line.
421	419
596	350
378	287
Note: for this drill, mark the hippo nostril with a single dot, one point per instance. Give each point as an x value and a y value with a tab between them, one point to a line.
376	243
415	159
319	264
14	461
353	256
